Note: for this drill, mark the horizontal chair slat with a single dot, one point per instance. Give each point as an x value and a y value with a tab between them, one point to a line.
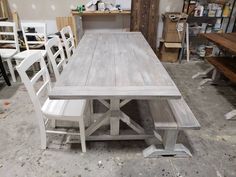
7	42
7	33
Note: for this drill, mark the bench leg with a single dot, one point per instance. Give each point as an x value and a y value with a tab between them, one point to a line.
231	115
170	148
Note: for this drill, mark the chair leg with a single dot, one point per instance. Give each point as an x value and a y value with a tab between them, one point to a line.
43	137
13	76
43	133
82	134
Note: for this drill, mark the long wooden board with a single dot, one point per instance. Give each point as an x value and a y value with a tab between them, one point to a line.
96	13
225	40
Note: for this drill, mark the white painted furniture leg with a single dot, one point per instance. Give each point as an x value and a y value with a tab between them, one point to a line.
115	117
187	42
170	148
204	81
231	115
82	134
214	78
11	69
204	73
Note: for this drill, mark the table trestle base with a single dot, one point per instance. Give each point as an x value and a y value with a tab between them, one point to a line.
179	151
170	148
114	115
110	138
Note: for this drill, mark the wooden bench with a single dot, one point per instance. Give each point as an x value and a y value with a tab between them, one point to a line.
171	116
225	65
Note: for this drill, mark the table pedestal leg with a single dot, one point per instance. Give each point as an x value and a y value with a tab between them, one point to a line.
170	148
114	116
215	77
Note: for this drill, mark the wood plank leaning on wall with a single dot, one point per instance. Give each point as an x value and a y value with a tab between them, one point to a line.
5	9
67	21
144	18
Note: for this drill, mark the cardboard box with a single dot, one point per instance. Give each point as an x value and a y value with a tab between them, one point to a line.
170	33
169	52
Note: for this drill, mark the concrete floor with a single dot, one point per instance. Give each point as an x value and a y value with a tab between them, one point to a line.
213	147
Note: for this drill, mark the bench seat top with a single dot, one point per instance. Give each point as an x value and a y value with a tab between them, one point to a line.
172	114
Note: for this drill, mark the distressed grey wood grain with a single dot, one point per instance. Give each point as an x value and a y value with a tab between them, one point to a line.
172	114
127	72
144	92
108	65
183	114
102	70
162	115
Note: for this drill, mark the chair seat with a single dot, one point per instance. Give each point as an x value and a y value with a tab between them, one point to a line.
27	53
64	109
7	53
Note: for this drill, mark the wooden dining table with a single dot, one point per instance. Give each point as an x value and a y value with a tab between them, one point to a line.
114	68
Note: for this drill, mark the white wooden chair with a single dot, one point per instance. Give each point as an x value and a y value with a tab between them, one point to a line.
68	41
33	39
51	110
56	55
9	38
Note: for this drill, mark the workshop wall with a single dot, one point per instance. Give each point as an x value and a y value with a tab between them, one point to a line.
47	10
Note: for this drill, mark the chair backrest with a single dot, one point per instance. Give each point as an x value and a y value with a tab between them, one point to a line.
34	34
8	34
68	40
56	55
36	91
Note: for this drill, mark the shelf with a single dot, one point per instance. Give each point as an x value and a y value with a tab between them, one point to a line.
207	17
101	13
192	19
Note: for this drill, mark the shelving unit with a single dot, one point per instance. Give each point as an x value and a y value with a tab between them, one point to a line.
206	22
209	19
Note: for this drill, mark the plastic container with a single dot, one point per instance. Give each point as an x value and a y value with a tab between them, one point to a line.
226	12
219	12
